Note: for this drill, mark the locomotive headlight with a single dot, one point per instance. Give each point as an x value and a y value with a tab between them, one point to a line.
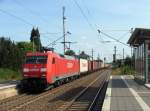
25	70
43	70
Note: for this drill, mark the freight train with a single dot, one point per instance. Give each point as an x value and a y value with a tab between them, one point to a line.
50	68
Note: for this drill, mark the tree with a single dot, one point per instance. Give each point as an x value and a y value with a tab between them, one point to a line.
118	62
35	39
25	46
127	60
4	51
70	53
10	55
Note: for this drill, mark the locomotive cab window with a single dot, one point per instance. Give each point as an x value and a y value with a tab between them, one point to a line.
53	61
36	59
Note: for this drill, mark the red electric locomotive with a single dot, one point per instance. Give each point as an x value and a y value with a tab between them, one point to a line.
41	69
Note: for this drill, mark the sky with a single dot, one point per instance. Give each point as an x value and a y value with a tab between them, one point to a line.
113	17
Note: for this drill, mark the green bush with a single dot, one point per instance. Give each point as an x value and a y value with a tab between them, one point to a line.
127	70
123	70
7	74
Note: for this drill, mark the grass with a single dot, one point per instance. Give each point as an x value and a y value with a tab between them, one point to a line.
116	71
123	70
7	74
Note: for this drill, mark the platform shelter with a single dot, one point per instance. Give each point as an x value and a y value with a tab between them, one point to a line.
140	41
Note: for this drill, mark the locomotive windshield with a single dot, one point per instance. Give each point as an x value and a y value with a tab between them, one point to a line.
36	60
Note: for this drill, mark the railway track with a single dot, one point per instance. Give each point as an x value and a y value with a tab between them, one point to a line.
42	102
99	98
88	98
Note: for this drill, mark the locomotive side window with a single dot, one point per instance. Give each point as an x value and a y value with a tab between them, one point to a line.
53	61
36	59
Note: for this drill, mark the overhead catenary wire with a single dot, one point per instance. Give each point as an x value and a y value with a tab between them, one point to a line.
88	12
50	33
16	17
55	41
86	7
84	15
41	33
102	40
93	28
121	37
30	11
113	38
114	30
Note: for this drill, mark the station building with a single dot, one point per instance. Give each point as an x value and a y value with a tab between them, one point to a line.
140	41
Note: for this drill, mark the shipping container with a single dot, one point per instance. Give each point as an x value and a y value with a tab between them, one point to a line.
83	65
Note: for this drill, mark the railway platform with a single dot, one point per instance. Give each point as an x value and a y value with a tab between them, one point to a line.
8	84
8	89
124	94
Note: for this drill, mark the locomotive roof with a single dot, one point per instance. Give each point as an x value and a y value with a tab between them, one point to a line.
44	54
37	53
69	57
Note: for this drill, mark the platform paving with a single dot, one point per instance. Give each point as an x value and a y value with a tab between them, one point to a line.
124	94
8	84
